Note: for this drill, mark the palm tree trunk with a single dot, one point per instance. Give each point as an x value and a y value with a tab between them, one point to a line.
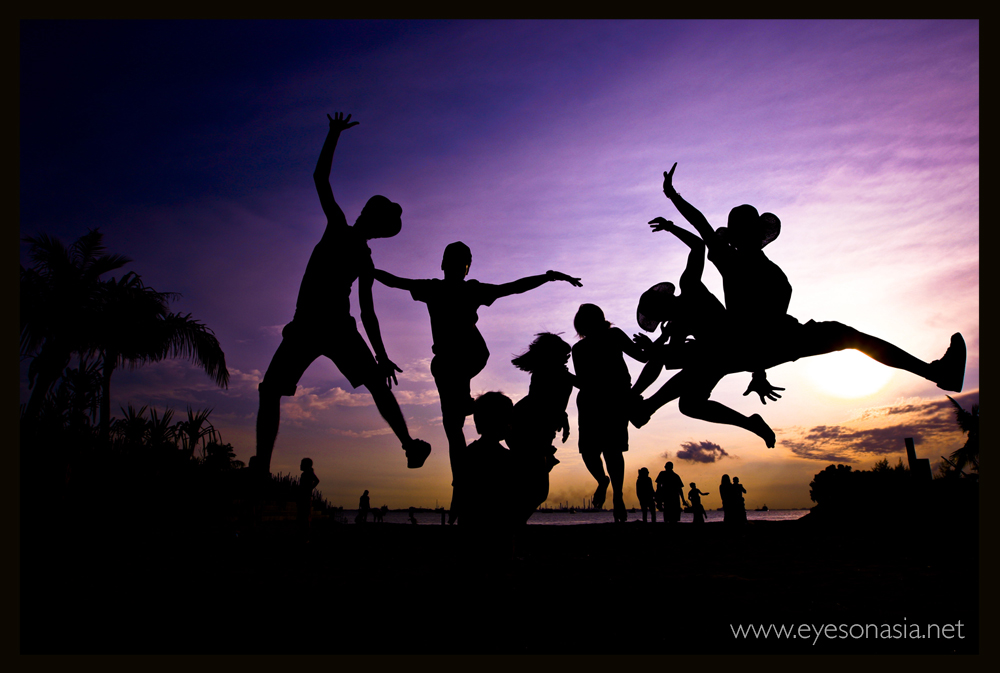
107	368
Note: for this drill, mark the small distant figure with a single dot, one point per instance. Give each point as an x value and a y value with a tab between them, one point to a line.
726	494
604	400
307	482
541	415
697	509
378	514
670	493
413	515
364	504
460	351
647	496
739	504
323	325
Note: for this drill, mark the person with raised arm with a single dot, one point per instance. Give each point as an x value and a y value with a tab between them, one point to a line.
460	352
323	325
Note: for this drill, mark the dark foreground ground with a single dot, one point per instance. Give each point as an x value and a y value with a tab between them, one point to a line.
604	589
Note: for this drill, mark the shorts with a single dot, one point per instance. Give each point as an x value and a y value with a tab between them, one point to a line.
302	342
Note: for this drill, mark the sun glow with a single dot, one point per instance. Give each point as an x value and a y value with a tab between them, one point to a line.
847	374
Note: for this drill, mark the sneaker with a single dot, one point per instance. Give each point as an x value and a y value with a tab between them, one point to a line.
417	451
949	372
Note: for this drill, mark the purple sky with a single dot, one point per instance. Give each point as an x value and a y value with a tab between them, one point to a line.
541	145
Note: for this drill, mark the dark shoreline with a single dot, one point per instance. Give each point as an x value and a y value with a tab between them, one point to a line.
588	588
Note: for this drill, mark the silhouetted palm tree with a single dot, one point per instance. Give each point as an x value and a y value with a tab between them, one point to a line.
197	429
968	421
135	328
59	296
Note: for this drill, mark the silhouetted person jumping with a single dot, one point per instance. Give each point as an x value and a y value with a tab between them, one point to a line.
670	493
644	491
460	351
323	325
758	293
705	360
541	414
605	400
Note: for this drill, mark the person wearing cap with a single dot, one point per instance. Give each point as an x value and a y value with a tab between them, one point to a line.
703	362
460	351
758	293
323	325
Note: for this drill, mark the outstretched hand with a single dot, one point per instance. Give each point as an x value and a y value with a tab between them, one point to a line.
668	180
642	341
761	386
389	369
338	123
660	224
555	275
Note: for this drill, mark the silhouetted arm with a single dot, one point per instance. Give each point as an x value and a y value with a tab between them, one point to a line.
690	213
532	282
390	280
636	351
321	176
654	366
370	322
696	258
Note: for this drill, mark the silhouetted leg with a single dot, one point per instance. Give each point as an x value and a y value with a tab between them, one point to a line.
268	417
714	412
819	338
416	450
596	468
668	392
615	460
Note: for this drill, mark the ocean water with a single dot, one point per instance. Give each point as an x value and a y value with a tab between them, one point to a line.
570	519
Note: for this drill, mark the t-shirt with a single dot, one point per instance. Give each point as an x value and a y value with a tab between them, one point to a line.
453	307
757	290
669	483
336	262
600	365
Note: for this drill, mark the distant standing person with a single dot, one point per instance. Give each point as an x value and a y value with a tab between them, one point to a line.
647	496
460	351
739	504
364	504
323	325
697	509
726	494
604	400
307	482
670	493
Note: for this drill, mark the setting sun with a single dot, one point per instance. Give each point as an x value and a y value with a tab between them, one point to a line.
847	374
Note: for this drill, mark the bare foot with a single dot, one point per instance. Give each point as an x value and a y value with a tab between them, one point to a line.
760	428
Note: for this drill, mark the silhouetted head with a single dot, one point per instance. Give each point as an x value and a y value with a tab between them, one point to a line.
736	480
492	413
547	349
748	230
669	466
590	320
456	260
725	480
380	218
656	306
643	471
366	492
305	464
